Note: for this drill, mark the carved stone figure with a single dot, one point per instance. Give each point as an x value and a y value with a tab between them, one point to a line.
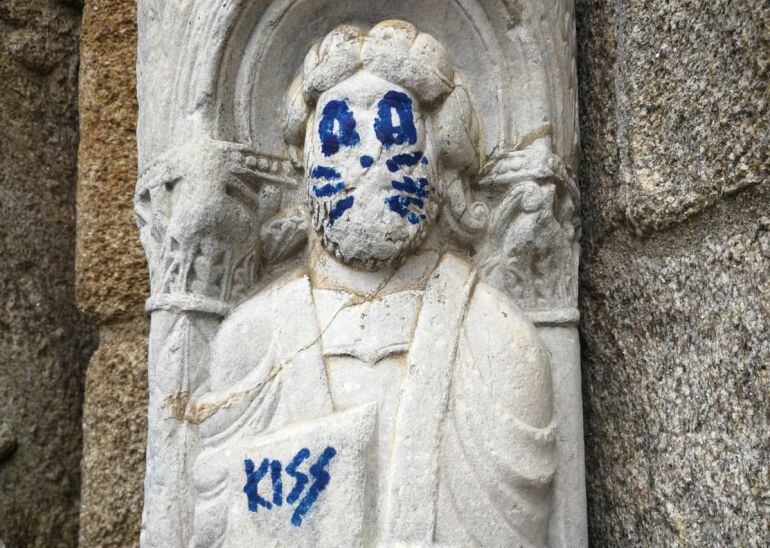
327	365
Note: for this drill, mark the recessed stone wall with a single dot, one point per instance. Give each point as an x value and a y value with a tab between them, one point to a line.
44	343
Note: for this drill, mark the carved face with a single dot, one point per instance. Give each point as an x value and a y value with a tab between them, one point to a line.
369	167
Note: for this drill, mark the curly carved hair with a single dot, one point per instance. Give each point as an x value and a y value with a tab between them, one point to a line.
398	53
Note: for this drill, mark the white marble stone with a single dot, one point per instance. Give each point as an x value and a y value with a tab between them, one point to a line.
362	228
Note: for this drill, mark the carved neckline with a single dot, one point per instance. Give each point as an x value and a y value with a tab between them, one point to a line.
367	330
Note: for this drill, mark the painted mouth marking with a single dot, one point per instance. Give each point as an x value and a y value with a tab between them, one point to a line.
404	160
340	207
327	174
412	204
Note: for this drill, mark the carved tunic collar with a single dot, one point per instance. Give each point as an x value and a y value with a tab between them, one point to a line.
368	330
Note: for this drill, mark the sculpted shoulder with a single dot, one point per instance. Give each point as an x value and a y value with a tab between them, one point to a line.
505	343
263	329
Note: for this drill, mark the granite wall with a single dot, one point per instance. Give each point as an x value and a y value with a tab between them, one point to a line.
675	272
674	281
111	279
44	343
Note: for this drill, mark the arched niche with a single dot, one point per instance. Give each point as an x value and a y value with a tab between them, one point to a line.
237	70
225	66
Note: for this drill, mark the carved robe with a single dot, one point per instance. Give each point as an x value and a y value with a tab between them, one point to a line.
471	363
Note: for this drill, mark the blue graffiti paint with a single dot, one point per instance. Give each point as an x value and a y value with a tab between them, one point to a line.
252	481
345	134
300	478
401	205
424	160
366	160
403	160
419	188
318	473
321	477
325	173
329	189
411	205
388	133
340	207
275	477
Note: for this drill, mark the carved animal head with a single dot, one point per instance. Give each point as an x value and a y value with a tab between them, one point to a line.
385	129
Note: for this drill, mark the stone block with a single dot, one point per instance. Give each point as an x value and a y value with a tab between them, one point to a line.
676	390
673	282
111	273
114	434
692	88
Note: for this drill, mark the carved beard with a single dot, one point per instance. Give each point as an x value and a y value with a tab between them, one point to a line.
358	241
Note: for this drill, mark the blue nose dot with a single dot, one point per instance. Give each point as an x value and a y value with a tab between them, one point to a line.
366	161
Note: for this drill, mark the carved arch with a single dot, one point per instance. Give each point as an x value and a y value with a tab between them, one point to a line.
517	55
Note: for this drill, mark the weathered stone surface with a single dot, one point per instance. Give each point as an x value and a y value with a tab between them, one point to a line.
8	442
111	279
600	159
674	325
114	434
689	85
43	344
692	87
676	387
111	273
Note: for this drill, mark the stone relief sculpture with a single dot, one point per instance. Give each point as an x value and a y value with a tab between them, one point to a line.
344	280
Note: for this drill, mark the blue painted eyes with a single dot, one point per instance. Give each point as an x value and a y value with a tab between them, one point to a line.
337	128
394	124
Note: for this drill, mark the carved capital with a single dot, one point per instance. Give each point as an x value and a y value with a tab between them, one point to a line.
201	209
